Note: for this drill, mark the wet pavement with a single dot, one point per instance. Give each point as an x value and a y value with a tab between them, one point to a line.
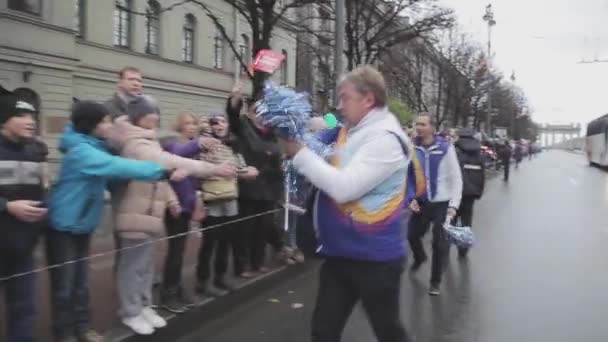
539	272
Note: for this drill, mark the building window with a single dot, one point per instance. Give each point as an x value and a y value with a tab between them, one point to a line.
122	23
27	6
152	27
79	17
218	50
188	39
284	68
244	49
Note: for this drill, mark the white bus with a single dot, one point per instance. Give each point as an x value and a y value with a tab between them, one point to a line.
596	142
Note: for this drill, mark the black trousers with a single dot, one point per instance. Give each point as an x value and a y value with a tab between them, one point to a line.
343	283
431	214
465	212
174	260
506	164
259	231
220	240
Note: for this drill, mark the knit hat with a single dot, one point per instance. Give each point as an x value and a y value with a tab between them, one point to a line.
86	115
11	105
141	106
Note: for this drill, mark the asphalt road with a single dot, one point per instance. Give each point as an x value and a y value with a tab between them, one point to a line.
538	273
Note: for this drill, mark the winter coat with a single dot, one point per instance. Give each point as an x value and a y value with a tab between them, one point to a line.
76	200
260	150
116	106
472	166
220	188
140	208
186	188
21	175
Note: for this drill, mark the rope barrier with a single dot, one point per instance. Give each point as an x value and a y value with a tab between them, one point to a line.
114	251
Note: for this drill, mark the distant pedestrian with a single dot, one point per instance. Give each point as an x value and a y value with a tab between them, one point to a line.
504	153
76	205
359	210
439	202
518	153
22	213
473	171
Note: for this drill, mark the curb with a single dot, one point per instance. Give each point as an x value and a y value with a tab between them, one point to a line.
182	325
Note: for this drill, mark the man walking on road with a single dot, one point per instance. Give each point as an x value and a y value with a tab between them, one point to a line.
473	172
358	211
440	201
504	153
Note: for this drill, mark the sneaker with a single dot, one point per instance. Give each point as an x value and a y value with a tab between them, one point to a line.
187	300
173	304
209	290
153	318
434	290
417	263
90	335
222	284
139	325
298	256
247	275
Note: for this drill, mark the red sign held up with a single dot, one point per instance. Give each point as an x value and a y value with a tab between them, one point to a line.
268	61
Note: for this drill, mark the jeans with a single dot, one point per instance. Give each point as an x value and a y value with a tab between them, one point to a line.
19	297
259	231
342	283
69	283
135	277
430	214
174	260
219	240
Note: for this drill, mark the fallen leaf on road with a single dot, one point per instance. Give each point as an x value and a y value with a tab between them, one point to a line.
274	300
297	305
291	292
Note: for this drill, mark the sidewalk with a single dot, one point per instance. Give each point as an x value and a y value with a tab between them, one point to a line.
102	287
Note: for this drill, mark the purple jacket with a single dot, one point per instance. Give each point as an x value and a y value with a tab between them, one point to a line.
186	188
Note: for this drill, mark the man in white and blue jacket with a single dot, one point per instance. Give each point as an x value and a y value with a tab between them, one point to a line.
358	211
440	200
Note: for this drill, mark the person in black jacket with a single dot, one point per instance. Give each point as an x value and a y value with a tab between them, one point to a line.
473	172
260	148
505	153
22	212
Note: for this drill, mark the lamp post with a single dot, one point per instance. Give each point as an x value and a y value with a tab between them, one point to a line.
489	19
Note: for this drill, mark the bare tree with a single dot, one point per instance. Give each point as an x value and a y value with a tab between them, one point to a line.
373	27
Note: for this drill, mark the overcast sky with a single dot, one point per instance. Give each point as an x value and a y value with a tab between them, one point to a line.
543	41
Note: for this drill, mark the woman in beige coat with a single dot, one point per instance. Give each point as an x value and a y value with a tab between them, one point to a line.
140	209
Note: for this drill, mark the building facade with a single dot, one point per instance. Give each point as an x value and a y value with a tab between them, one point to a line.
55	51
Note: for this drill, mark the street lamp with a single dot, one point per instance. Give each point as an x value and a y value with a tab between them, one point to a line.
489	19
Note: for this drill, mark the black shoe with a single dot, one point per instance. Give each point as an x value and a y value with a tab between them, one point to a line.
222	284
417	263
173	304
434	290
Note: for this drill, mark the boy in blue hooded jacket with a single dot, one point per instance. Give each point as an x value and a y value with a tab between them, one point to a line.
76	205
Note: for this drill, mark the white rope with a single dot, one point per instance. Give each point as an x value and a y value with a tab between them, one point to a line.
114	251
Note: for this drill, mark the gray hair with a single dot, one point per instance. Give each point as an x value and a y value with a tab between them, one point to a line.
367	79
